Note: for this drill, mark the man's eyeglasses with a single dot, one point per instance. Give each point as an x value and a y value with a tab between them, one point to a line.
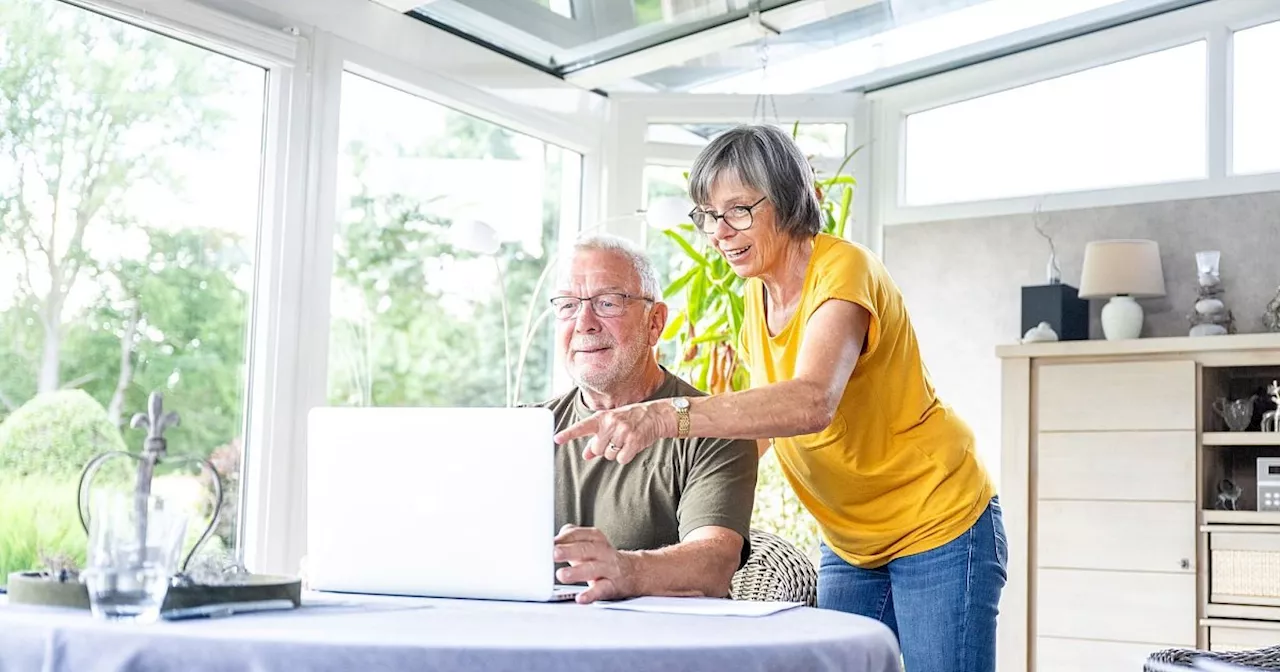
604	305
739	217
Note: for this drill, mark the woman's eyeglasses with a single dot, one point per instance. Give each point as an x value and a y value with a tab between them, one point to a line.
739	217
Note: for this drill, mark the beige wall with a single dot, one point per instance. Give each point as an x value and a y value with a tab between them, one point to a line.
962	281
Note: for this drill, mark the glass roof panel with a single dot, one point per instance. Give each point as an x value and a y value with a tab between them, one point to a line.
560	35
872	39
817	44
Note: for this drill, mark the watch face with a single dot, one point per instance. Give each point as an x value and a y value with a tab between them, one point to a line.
680	403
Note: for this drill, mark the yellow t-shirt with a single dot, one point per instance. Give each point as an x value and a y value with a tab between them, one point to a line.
895	473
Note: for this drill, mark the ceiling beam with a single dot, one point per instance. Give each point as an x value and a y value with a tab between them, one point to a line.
403	6
726	36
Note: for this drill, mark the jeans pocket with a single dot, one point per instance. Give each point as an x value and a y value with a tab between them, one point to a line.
997	532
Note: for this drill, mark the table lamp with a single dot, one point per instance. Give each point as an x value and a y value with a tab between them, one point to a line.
1122	270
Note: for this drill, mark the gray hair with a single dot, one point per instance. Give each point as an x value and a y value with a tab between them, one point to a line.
631	252
766	159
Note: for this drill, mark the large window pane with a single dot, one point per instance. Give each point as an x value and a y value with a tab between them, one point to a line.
417	311
1256	144
1134	122
129	178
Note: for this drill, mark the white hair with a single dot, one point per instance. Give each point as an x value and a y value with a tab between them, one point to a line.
632	253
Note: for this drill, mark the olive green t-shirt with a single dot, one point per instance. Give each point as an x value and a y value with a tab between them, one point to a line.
670	489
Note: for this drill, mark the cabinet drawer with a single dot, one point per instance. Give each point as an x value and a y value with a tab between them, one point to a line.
1148	466
1243	635
1120	396
1135	536
1055	654
1244	567
1116	606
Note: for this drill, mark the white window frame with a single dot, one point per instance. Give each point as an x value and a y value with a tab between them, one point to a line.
578	134
628	150
305	45
282	53
1213	22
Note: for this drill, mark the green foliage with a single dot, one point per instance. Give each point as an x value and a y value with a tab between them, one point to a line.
777	509
410	342
90	108
38	517
56	434
182	317
97	117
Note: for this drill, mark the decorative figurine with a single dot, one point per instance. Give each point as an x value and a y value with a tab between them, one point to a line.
1271	419
154	450
1053	274
1271	317
1228	493
1210	316
1041	333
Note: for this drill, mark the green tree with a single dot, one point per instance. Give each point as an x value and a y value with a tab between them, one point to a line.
174	322
408	342
88	108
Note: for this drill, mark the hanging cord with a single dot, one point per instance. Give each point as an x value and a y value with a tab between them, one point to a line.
759	111
765	102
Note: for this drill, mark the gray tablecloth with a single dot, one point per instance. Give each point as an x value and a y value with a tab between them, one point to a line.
332	632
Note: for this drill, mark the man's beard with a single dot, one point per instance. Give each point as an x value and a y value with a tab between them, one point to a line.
626	366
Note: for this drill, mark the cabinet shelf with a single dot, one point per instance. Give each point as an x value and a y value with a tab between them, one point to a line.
1241	439
1214	517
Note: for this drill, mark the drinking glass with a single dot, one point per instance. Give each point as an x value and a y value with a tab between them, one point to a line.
133	550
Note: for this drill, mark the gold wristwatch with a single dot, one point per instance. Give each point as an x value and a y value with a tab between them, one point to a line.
681	405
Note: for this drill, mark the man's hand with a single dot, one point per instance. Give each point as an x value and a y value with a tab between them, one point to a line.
621	433
592	559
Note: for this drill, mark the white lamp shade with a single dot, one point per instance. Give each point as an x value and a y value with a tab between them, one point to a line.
667	212
474	236
1121	267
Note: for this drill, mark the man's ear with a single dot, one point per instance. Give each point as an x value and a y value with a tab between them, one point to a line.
657	322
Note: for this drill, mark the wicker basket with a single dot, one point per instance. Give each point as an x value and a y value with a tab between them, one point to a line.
1244	565
1245	573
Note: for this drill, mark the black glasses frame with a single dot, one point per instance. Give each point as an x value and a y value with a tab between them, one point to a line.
699	217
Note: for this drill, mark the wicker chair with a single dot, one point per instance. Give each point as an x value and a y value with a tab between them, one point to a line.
1175	659
776	571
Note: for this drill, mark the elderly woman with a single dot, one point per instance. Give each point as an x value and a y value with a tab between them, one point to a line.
912	530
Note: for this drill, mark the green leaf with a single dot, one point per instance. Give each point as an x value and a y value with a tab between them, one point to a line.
679	283
703	364
736	311
697	297
846	199
673	327
684	244
715	337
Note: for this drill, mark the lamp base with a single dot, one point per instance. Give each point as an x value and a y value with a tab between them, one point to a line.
1122	318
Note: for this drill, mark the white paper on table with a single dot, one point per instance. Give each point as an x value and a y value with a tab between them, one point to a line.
699	606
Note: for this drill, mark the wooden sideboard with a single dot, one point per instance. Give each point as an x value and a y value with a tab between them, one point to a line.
1111	462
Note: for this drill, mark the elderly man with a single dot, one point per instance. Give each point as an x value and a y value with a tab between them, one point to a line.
675	521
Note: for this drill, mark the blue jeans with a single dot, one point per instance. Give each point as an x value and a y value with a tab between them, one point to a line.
941	604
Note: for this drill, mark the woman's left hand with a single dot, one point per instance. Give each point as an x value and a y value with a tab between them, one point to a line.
621	433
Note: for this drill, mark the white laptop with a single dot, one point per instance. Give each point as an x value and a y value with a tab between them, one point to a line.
432	502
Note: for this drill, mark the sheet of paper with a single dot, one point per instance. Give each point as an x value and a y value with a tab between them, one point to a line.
699	606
